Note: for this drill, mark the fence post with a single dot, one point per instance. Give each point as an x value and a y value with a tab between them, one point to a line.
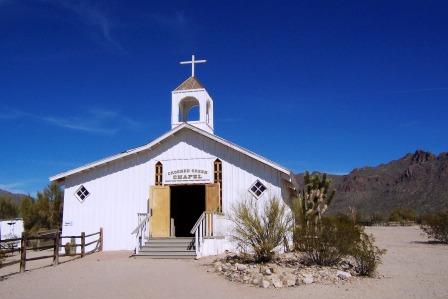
100	248
83	244
57	240
23	252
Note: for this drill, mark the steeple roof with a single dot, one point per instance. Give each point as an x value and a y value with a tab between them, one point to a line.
190	83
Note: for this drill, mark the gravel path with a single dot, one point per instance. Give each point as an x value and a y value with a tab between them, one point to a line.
412	268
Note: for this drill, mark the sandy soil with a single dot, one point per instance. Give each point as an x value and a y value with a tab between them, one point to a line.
412	268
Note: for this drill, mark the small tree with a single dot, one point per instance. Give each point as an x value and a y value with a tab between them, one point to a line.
8	209
263	231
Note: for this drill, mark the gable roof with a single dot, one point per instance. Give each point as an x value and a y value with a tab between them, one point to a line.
190	83
157	141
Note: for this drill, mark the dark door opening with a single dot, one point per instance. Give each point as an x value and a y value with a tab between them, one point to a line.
187	205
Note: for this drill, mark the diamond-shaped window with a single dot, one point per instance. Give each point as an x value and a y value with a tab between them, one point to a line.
257	188
82	193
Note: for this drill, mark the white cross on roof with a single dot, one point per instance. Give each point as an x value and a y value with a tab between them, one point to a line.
193	62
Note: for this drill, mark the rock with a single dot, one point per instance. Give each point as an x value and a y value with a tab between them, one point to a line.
256	281
246	278
218	268
265	284
267	271
241	267
289	280
343	275
225	268
308	279
298	281
277	283
235	276
274	268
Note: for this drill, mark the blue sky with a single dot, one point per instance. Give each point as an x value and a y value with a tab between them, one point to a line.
313	85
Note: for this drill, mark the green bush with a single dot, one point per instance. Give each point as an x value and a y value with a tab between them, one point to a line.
2	257
436	226
328	243
367	256
378	218
260	232
70	247
402	214
338	238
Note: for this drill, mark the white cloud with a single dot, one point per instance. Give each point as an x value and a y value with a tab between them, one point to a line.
92	15
95	121
173	21
15	187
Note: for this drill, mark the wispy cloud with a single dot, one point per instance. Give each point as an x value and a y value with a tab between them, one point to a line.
418	90
174	21
16	187
95	121
90	14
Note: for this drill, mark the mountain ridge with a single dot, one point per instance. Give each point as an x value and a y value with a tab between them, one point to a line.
417	181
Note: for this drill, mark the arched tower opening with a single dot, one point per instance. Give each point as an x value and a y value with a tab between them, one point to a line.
189	109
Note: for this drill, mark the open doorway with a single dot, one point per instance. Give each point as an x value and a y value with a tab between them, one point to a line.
187	205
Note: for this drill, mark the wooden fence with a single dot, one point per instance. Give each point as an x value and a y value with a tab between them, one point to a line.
54	242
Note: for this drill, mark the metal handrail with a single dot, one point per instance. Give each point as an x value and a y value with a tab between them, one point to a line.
195	226
139	231
202	228
142	222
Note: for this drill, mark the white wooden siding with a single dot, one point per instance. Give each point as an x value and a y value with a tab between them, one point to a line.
119	190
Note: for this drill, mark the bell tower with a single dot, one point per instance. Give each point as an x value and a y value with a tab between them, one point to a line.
190	95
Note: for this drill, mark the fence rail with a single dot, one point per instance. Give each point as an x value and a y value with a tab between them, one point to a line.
56	245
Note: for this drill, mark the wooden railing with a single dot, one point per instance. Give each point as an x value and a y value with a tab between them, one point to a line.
55	240
141	230
202	228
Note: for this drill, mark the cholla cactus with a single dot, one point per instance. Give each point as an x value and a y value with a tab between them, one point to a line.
313	201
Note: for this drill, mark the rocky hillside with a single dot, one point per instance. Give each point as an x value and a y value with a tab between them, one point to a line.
16	197
418	181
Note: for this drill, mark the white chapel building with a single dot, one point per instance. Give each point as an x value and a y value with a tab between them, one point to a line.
171	197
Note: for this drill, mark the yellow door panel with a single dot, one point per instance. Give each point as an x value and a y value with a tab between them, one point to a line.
160	208
212	197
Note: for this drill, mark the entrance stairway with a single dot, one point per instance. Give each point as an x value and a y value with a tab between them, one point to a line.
168	248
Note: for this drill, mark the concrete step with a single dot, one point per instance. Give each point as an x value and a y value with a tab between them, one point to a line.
167	254
176	246
191	257
173	252
169	240
166	248
169	248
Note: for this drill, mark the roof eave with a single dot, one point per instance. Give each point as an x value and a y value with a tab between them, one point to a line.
155	142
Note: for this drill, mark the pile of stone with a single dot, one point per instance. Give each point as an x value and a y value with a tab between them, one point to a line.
285	271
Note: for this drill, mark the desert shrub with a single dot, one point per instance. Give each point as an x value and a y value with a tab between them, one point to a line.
70	247
2	257
338	238
378	218
367	256
436	226
263	231
328	243
402	215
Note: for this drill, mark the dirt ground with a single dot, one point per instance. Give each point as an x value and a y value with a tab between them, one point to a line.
412	268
